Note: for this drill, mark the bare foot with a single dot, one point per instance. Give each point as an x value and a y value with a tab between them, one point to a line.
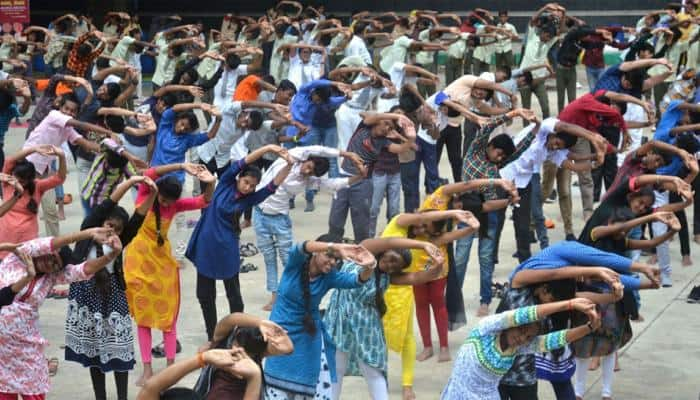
146	375
246	224
444	355
425	354
408	393
268	306
652	260
483	310
687	261
595	364
639	318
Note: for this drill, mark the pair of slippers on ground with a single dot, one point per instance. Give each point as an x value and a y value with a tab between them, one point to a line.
247	250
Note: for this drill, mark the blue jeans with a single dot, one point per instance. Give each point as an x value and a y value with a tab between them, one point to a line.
487	246
388	185
536	211
427	154
327	137
635	234
409	185
593	74
274	237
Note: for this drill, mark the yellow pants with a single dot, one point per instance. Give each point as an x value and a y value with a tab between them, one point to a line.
408	355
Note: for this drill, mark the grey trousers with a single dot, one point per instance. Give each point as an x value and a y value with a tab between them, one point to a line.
566	85
357	199
541	92
453	69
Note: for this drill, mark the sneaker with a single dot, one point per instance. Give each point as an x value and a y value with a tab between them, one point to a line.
570	237
552	197
666	279
694	296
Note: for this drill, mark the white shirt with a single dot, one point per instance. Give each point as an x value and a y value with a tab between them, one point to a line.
505	43
300	74
220	146
396	53
441	121
295	183
226	86
484	52
425	57
361	99
458	48
536	52
357	47
530	162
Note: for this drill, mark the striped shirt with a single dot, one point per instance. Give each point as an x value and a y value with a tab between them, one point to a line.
102	178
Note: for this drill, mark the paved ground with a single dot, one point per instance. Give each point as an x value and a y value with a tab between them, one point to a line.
659	363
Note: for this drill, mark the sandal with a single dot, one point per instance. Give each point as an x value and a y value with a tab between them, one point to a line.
248	250
159	350
247	267
53	366
58	294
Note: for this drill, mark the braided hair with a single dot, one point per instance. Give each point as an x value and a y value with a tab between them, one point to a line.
170	188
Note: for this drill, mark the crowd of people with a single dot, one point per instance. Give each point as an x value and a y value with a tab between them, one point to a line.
267	110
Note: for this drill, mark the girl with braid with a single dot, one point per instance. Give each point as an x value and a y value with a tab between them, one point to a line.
354	316
310	272
150	271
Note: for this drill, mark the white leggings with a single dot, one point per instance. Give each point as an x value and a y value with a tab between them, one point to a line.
607	367
376	382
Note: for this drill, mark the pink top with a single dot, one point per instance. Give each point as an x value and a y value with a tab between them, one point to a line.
186	204
51	130
24	368
19	224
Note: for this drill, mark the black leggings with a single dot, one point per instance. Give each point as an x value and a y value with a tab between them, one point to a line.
206	294
683	235
98	383
451	137
508	392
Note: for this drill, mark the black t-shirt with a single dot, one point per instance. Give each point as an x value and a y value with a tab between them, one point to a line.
367	147
601	216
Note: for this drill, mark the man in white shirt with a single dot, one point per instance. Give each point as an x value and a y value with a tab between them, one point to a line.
232	70
504	45
303	68
273	227
539	42
552	143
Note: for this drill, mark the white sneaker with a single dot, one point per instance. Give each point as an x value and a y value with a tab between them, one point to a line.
666	278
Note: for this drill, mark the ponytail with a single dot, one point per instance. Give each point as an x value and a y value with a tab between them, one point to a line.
309	324
379	294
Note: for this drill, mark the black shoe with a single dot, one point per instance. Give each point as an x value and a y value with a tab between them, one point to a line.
291	204
159	350
694	296
533	239
570	237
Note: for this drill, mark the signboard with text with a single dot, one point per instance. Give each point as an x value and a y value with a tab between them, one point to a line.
14	11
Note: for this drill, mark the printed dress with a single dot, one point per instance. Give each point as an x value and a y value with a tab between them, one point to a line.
98	325
481	363
150	271
24	368
354	323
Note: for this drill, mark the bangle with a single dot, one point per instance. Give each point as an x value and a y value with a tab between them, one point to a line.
295	138
200	360
590	327
329	250
570	306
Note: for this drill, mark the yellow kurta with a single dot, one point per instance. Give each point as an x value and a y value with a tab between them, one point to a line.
152	277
